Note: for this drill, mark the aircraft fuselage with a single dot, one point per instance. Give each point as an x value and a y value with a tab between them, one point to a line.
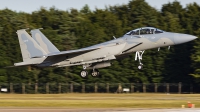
121	46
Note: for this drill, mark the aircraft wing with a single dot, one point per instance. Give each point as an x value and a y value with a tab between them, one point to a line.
74	53
83	50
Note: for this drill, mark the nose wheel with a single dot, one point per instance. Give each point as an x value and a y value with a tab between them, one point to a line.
140	66
138	55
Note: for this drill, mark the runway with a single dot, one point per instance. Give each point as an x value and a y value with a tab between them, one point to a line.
95	110
98	102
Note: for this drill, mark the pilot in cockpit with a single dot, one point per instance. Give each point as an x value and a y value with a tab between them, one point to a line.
145	30
132	33
148	31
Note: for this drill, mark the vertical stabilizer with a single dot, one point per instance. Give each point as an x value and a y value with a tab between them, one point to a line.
43	41
29	48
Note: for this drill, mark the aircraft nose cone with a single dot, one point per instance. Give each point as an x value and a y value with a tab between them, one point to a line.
182	38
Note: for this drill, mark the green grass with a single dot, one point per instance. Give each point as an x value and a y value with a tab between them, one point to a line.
99	100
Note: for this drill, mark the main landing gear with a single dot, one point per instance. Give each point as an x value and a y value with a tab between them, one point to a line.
138	55
84	73
95	72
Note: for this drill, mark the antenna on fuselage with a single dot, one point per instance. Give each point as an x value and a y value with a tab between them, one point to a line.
114	37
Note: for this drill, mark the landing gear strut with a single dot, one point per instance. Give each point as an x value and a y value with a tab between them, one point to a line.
138	55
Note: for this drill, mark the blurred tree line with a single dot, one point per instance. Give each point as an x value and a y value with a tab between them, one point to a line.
75	29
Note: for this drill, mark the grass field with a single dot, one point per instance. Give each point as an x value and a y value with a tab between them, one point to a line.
99	100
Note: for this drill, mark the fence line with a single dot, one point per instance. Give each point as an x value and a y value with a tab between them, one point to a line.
57	88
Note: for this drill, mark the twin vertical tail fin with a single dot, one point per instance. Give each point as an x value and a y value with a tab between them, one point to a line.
29	48
43	41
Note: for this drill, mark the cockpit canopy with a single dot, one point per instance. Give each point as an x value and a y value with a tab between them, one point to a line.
144	30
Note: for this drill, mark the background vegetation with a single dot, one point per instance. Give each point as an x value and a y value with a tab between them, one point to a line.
75	29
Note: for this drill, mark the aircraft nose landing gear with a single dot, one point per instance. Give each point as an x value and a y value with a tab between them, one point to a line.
138	55
140	66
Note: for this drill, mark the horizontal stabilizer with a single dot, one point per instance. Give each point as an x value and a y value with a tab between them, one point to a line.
21	64
10	67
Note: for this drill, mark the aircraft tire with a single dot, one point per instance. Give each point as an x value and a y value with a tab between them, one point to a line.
95	73
140	67
83	73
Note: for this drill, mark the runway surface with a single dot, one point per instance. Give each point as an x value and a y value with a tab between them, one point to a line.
95	110
98	102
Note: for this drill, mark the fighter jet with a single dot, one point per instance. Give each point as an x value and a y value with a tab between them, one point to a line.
38	51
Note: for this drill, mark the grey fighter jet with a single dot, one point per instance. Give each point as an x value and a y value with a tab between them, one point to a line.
40	52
